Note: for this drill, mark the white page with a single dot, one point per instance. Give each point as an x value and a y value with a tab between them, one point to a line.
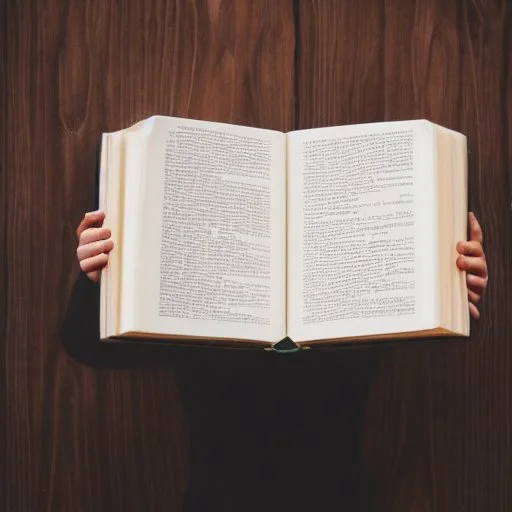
454	170
121	160
109	201
213	239
361	230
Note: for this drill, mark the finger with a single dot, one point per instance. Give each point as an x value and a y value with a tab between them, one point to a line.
94	276
470	248
475	231
94	235
477	266
94	263
94	248
91	219
474	297
476	284
473	311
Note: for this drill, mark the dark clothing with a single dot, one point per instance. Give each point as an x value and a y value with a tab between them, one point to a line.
280	433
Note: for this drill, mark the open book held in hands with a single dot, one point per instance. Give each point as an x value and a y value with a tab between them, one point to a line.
227	234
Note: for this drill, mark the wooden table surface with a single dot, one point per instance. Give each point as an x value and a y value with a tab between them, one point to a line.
89	428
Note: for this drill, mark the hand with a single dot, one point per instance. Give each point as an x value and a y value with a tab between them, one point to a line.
94	244
472	259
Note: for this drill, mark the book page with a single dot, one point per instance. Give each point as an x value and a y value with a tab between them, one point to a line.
103	195
361	230
460	202
119	188
110	197
212	247
453	196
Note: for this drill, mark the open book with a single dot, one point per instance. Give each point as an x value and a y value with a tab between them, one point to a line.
233	234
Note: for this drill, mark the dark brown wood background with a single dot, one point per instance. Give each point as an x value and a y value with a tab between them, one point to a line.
84	430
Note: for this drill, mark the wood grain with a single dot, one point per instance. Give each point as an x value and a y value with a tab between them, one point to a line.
75	436
438	423
87	428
